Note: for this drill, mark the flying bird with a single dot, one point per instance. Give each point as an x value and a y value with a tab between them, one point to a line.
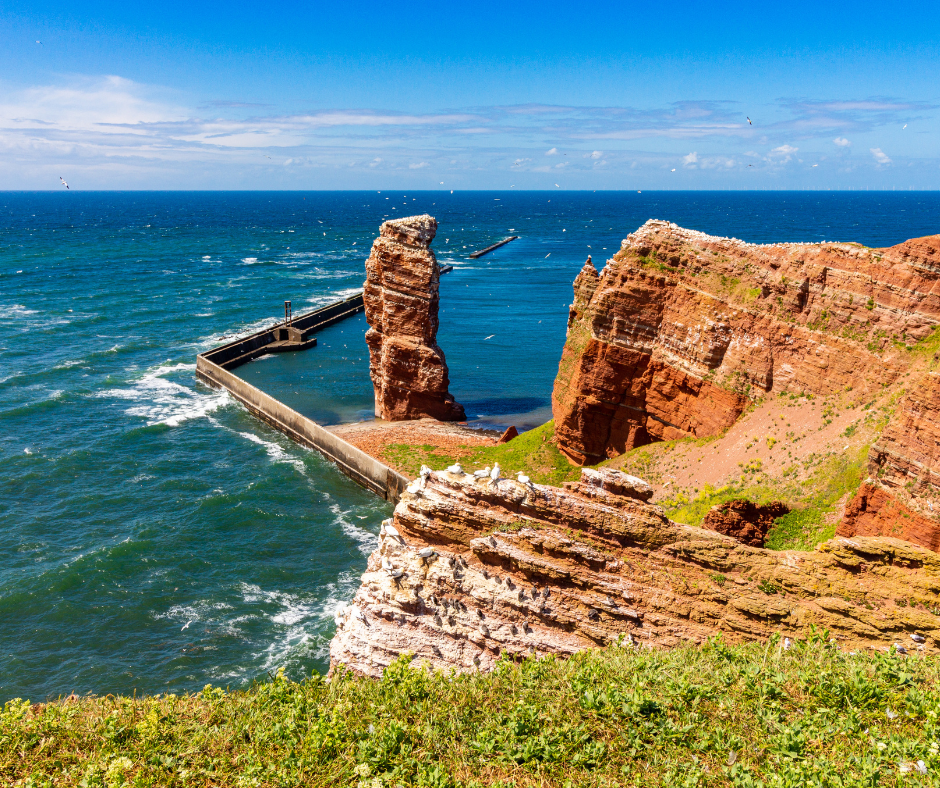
64	183
39	42
557	186
815	165
749	122
673	169
902	127
185	625
489	337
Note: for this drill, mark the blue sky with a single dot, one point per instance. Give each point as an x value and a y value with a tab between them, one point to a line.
480	95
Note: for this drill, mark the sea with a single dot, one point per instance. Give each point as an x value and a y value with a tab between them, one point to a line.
156	538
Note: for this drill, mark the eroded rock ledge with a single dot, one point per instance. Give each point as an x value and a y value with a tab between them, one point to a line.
408	368
681	329
470	570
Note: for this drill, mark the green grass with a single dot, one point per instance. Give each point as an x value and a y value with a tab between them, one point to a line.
813	500
718	715
814	520
533	452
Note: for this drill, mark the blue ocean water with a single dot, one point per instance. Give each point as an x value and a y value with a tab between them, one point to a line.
153	536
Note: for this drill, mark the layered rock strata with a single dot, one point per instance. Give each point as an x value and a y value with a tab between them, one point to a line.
902	496
408	368
470	570
680	330
744	520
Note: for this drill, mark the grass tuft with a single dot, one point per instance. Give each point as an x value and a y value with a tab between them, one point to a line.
716	715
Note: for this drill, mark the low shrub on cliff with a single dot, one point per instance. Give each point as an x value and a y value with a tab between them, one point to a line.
752	715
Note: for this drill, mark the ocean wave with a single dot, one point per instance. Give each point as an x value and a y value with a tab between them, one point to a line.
276	453
162	401
14	311
328	298
366	540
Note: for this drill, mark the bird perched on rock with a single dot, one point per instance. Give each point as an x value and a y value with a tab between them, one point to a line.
482	474
523	479
900	649
455	469
787	644
494	474
918	638
416	486
424	472
426	552
390	530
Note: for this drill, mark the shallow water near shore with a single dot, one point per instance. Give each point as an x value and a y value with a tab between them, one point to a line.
153	536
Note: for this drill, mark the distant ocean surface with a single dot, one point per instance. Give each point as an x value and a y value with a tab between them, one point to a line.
153	536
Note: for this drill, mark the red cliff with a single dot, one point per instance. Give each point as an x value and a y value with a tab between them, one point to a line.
681	330
408	368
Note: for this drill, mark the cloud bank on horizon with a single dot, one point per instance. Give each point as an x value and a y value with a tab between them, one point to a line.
146	127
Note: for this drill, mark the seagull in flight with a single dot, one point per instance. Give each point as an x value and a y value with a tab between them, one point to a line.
749	122
64	183
185	625
557	186
673	169
815	165
39	42
903	127
489	337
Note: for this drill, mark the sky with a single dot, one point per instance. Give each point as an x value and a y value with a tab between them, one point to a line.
482	95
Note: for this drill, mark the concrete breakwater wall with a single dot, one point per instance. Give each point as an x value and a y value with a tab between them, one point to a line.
212	368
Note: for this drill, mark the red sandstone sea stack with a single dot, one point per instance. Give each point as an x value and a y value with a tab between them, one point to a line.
408	368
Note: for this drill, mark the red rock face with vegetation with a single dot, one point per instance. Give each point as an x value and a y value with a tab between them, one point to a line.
744	520
408	368
681	330
902	496
475	569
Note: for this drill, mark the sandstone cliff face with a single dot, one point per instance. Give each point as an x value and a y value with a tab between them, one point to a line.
681	329
474	570
408	368
902	497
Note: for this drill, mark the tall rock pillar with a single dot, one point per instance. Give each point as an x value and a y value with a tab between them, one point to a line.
401	299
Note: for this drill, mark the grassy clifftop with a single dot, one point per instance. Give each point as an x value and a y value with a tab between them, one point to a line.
749	715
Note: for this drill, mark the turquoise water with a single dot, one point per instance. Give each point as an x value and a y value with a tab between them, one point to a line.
153	536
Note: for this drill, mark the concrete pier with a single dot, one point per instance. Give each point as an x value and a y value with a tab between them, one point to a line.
213	368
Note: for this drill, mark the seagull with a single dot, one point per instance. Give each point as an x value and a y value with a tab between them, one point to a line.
186	625
482	474
489	337
673	169
918	638
815	165
750	165
416	486
902	127
455	469
749	122
900	649
442	183
391	530
557	186
64	183
39	42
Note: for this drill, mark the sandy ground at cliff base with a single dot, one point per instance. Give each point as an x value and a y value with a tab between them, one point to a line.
446	437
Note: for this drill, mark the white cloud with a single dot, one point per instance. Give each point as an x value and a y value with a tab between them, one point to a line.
691	160
520	162
782	154
375	162
842	142
561	165
551	152
597	154
419	166
880	156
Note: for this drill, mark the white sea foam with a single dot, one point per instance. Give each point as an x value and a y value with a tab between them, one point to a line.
275	452
162	401
328	298
14	311
367	540
249	260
